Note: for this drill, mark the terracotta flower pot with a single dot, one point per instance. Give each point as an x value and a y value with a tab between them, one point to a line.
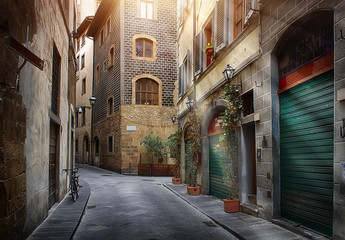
232	205
176	180
193	190
209	51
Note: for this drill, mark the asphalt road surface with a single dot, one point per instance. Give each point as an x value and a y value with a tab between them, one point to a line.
140	208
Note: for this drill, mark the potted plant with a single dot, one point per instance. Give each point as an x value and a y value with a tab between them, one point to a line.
174	144
193	149
208	49
154	145
229	142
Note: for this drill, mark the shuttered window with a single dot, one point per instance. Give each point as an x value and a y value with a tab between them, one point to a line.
56	81
239	17
197	56
221	24
184	75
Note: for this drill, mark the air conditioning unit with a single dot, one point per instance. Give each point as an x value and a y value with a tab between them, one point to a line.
253	8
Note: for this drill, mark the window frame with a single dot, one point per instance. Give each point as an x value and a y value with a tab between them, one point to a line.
110	145
82	62
134	47
155	79
83	86
98	73
236	21
154	9
111	57
184	79
147	94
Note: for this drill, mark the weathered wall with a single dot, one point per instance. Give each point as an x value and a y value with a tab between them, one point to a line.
29	168
145	120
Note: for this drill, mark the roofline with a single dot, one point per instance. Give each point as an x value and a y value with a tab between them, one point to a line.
101	15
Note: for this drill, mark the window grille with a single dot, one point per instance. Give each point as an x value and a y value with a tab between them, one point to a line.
146	92
55	81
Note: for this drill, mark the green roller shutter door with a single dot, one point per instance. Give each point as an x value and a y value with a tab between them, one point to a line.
218	162
306	153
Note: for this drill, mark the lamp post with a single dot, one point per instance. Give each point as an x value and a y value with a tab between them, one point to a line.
189	104
228	72
92	103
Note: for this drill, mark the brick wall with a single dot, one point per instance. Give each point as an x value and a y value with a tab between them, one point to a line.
164	30
109	78
12	138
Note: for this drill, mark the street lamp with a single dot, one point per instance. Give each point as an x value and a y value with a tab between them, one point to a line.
228	72
189	104
92	101
173	118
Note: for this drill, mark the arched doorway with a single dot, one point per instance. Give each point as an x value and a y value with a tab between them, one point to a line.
304	58
86	150
218	159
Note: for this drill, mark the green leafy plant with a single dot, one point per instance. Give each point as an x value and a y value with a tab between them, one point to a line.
193	148
209	45
154	145
228	139
174	144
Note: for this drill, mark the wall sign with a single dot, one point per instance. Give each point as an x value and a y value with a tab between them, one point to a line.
131	128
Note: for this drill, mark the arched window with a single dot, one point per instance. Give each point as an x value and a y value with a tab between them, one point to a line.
111	57
146	92
110	106
98	72
144	47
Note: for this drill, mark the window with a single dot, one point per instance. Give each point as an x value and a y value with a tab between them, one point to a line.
183	10
110	144
96	146
208	33
146	9
78	45
98	72
144	47
110	106
239	17
146	92
82	64
111	57
83	87
55	81
108	27
184	78
78	63
248	103
83	40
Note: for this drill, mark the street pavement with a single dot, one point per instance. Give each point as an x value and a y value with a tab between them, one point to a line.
114	206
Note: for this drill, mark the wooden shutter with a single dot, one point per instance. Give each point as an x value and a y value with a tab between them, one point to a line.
221	24
180	80
197	54
188	80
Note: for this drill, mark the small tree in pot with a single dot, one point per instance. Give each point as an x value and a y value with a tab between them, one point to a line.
193	149
154	145
174	144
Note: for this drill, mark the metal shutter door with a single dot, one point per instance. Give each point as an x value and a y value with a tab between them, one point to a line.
218	163
306	153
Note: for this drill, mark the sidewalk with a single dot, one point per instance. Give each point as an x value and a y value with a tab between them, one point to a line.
242	225
64	220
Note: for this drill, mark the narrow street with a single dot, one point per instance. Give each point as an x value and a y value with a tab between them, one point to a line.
134	207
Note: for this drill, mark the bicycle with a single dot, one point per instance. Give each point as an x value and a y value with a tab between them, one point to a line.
73	183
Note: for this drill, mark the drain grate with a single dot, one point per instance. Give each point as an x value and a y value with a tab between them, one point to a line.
91	207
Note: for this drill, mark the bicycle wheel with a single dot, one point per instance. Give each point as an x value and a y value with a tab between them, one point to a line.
76	188
73	191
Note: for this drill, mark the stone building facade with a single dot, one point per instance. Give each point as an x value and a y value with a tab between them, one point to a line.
134	76
288	59
37	102
84	74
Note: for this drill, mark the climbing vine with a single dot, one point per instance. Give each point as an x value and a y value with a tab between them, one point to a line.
228	139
